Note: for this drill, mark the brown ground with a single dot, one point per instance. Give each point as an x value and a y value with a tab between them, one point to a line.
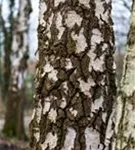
6	145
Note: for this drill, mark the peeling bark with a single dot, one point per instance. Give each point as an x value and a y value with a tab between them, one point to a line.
125	112
75	78
14	125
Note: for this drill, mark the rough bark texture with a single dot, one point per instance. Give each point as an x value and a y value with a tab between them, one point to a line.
75	78
14	116
125	112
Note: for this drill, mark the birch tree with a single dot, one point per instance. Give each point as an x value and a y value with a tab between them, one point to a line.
14	125
6	32
75	77
125	112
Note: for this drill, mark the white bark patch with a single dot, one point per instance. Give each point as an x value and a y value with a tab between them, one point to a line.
92	57
105	46
43	74
69	140
96	63
100	11
16	62
65	87
85	3
14	89
52	73
51	141
15	74
63	103
114	66
104	115
119	107
49	23
52	115
37	136
48	68
109	130
20	80
102	82
21	19
46	107
129	80
25	42
15	43
33	114
72	19
129	123
37	71
38	112
59	25
57	2
96	37
73	111
98	103
47	104
80	41
99	8
85	86
92	139
68	64
42	8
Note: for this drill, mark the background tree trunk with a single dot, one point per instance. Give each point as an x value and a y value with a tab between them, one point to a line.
125	112
75	76
7	44
14	125
1	77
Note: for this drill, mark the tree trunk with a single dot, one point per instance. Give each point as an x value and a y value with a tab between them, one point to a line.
14	125
125	112
75	78
7	46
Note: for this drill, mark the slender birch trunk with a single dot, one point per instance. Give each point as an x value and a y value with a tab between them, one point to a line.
14	125
75	78
7	45
125	113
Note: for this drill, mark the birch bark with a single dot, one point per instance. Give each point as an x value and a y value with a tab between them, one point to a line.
125	112
75	78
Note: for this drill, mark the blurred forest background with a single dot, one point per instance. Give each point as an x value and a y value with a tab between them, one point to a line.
11	18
